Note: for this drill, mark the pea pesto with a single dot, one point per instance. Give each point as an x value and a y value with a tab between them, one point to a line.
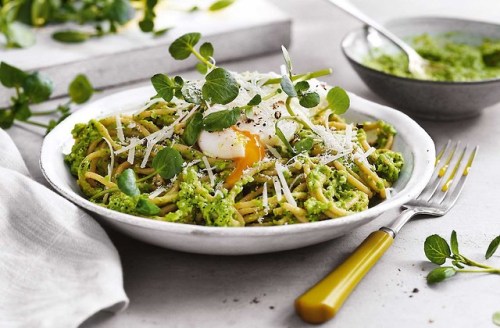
450	61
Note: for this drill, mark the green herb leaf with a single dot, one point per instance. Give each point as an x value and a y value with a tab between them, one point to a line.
436	249
11	76
71	36
168	163
287	86
492	248
22	111
164	86
454	243
338	100
283	139
202	68
207	50
6	118
146	207
257	99
182	47
457	264
147	25
302	86
303	145
220	4
20	35
161	32
221	120
194	126
220	87
40	12
127	183
496	318
309	100
80	90
37	87
121	11
440	274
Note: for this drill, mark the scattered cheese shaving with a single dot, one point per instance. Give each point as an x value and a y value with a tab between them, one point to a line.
273	151
156	193
277	188
133	144
112	155
284	185
119	128
209	170
265	201
131	152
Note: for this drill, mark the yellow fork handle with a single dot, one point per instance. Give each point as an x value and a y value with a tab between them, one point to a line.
323	300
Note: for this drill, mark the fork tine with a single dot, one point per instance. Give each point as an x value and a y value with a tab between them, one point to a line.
432	185
452	197
446	186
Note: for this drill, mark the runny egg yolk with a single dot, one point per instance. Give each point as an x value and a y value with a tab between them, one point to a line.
254	152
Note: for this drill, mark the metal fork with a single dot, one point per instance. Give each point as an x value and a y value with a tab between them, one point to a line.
323	300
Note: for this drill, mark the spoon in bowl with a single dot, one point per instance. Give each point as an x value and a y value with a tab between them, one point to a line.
416	64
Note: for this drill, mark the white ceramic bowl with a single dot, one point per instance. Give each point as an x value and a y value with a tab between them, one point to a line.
415	144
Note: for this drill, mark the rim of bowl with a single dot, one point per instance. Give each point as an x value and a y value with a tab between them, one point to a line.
351	34
181	228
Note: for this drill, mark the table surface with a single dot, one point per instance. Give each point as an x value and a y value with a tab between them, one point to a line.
173	289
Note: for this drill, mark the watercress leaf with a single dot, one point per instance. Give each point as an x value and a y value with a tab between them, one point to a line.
492	248
207	50
161	32
202	68
257	99
20	35
454	243
301	86
71	36
284	140
22	111
38	87
80	90
440	274
338	100
303	145
164	86
7	117
11	76
126	182
220	4
288	61
221	120
193	9
121	11
40	12
457	264
220	87
194	126
179	82
309	100
436	249
146	207
191	93
147	25
182	47
287	86
168	163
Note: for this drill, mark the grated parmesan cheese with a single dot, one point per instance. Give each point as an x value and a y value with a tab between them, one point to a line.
112	155
273	151
209	170
156	193
265	201
131	152
119	128
284	185
277	188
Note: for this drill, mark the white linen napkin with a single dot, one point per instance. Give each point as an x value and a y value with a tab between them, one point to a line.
57	265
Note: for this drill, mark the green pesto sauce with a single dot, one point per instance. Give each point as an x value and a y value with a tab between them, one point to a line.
450	61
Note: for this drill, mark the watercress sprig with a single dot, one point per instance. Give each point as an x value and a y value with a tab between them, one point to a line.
438	251
34	88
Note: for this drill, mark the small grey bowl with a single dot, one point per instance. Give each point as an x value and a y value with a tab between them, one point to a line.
434	100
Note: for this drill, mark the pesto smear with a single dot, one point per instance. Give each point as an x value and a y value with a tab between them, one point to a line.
450	61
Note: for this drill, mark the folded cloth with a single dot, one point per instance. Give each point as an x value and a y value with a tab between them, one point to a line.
57	265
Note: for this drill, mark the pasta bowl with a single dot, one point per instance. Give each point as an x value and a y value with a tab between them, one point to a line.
414	143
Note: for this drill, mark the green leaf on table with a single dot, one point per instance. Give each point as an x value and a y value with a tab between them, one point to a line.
146	207
164	86
168	163
127	183
220	4
121	11
257	99
71	36
207	50
80	89
454	243
161	32
492	248
182	47
287	86
7	117
19	35
309	99
40	12
194	126
440	274
147	25
11	76
37	87
221	120
220	87
436	249
22	111
338	100
303	145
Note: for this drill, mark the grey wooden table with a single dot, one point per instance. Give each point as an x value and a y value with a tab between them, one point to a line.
173	289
